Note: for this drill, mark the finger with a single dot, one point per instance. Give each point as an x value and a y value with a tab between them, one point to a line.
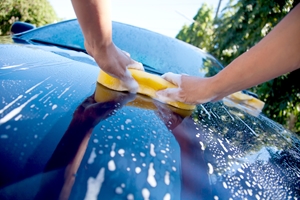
167	95
127	54
136	65
173	78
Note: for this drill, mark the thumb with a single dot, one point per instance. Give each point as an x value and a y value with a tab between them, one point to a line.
173	78
136	65
167	95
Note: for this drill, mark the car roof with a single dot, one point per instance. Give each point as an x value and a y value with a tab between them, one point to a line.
138	147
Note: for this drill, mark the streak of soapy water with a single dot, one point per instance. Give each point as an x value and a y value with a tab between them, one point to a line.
17	110
12	66
47	94
94	185
36	85
10	104
68	88
252	131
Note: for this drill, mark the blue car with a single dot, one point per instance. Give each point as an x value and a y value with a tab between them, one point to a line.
65	136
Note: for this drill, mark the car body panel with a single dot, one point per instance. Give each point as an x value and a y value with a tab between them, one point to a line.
64	135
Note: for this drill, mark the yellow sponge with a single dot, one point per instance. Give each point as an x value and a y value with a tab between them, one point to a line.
104	94
148	85
242	98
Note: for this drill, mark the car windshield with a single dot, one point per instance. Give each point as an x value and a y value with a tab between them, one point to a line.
174	55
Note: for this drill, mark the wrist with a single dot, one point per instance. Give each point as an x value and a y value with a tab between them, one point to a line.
217	87
98	46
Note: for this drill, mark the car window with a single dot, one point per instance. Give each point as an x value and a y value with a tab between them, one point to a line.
158	53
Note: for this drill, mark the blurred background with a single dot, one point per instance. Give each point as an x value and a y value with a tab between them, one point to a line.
224	28
163	16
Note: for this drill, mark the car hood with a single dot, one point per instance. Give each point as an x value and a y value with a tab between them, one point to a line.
70	137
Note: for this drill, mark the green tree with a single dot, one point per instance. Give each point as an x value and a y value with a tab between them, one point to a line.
200	32
241	25
37	12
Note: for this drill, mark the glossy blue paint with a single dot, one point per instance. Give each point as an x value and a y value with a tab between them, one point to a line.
70	137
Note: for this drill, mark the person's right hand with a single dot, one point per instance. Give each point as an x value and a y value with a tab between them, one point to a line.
115	62
191	89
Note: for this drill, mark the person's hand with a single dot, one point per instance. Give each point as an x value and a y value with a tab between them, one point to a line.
191	89
116	62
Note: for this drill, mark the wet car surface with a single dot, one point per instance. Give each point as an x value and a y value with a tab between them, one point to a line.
62	135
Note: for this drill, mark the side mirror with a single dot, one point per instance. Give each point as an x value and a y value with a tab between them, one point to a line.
19	27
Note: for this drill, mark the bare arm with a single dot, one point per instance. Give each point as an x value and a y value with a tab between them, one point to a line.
278	53
95	21
274	55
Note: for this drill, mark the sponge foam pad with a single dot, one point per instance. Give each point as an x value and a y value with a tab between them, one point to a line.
148	85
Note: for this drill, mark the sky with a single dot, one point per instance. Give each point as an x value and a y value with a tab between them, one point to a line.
163	16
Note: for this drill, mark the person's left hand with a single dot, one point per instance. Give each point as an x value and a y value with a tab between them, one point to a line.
116	62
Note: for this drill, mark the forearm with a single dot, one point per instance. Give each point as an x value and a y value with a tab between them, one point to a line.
95	21
278	53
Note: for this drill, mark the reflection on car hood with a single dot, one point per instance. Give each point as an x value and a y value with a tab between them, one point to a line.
57	135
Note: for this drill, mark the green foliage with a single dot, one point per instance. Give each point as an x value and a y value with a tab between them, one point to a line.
200	32
241	25
245	24
37	12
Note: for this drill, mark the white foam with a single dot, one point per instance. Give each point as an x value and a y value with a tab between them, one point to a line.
210	168
151	172
54	107
10	104
121	152
94	186
30	89
119	190
11	66
167	178
152	152
202	146
130	197
17	110
142	154
222	145
138	170
112	152
145	193
64	92
4	136
111	165
167	197
92	157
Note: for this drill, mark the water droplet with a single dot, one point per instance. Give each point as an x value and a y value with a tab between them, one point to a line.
54	107
111	165
138	170
119	190
4	136
145	193
130	197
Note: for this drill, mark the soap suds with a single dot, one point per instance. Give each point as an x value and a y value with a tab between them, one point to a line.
111	165
152	152
167	178
94	186
151	179
92	157
145	193
17	110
